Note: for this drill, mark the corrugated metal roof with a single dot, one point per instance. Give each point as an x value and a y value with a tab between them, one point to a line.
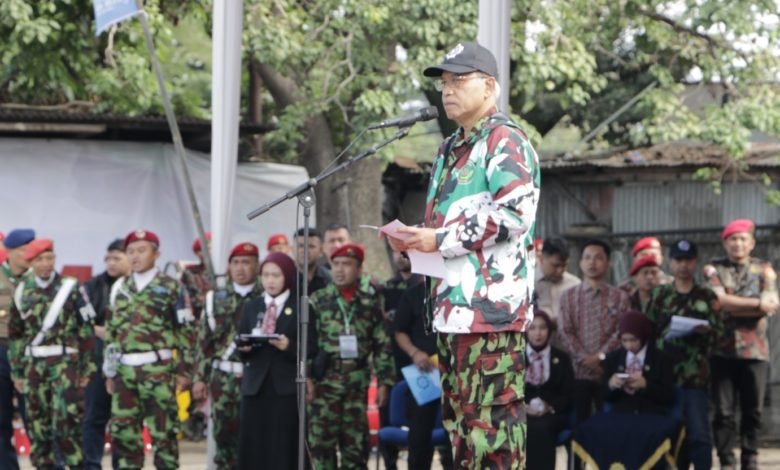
760	155
32	115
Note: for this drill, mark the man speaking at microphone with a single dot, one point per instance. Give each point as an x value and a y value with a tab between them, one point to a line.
480	214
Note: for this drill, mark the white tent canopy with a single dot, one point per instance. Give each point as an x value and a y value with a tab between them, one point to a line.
83	194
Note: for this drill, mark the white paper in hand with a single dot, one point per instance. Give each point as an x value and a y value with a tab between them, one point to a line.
428	264
683	326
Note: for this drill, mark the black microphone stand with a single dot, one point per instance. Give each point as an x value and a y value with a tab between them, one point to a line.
305	195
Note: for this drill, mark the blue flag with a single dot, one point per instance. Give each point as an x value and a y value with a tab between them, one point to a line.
109	12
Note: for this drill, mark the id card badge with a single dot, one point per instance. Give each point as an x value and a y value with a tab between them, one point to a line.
348	346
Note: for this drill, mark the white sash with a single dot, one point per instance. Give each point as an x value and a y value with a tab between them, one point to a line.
54	309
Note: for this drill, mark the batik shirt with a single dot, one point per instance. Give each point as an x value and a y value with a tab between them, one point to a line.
743	338
690	354
482	201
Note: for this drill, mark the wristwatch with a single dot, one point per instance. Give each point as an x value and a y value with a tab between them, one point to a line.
602	356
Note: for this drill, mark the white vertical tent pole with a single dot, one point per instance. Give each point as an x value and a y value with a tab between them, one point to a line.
225	112
494	30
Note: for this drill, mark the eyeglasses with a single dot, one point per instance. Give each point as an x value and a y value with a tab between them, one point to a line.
457	81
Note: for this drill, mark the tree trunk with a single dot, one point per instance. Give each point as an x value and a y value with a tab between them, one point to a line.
352	197
256	107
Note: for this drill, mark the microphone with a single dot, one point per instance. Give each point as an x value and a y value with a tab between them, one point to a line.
425	114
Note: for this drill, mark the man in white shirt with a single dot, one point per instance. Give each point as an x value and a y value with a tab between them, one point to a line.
555	279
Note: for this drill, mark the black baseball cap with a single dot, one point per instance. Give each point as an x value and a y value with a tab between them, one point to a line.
683	249
464	58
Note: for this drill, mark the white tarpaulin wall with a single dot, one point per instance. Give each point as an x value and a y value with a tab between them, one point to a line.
83	194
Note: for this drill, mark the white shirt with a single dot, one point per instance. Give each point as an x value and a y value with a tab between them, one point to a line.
44	283
545	360
143	279
243	290
548	294
279	300
640	355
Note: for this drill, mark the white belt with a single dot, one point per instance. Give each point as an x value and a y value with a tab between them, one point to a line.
48	351
142	358
228	366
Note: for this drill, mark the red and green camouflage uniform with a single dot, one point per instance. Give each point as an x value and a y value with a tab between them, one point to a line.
197	283
153	320
216	333
690	354
337	415
482	201
743	338
52	366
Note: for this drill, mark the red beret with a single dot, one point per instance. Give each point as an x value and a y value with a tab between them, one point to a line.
196	245
142	235
738	226
350	250
245	249
277	239
36	247
645	243
643	262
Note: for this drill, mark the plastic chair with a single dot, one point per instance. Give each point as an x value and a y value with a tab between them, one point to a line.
397	432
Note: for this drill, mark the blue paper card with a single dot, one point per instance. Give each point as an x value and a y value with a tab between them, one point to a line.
425	386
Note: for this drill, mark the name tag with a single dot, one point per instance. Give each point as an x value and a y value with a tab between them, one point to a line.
348	346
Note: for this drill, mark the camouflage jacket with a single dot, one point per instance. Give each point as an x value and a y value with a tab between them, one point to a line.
366	321
8	283
743	338
690	354
482	200
153	319
218	327
197	284
71	329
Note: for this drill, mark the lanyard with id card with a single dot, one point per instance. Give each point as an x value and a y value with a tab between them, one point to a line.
348	345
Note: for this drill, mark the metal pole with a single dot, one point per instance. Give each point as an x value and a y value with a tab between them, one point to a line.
307	201
493	32
177	142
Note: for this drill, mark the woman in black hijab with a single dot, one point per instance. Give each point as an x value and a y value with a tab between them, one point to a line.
549	378
269	409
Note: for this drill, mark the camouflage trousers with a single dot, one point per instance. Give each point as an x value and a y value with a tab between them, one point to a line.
145	394
482	377
337	418
225	391
55	410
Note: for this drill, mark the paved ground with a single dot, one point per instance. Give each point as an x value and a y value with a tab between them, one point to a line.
194	454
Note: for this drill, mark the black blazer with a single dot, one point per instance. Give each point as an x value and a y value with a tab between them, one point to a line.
266	362
557	390
656	398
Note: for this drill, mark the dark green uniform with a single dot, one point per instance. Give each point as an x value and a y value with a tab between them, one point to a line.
148	326
220	367
690	354
51	351
338	412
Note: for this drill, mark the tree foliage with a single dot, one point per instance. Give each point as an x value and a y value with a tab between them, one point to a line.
332	66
